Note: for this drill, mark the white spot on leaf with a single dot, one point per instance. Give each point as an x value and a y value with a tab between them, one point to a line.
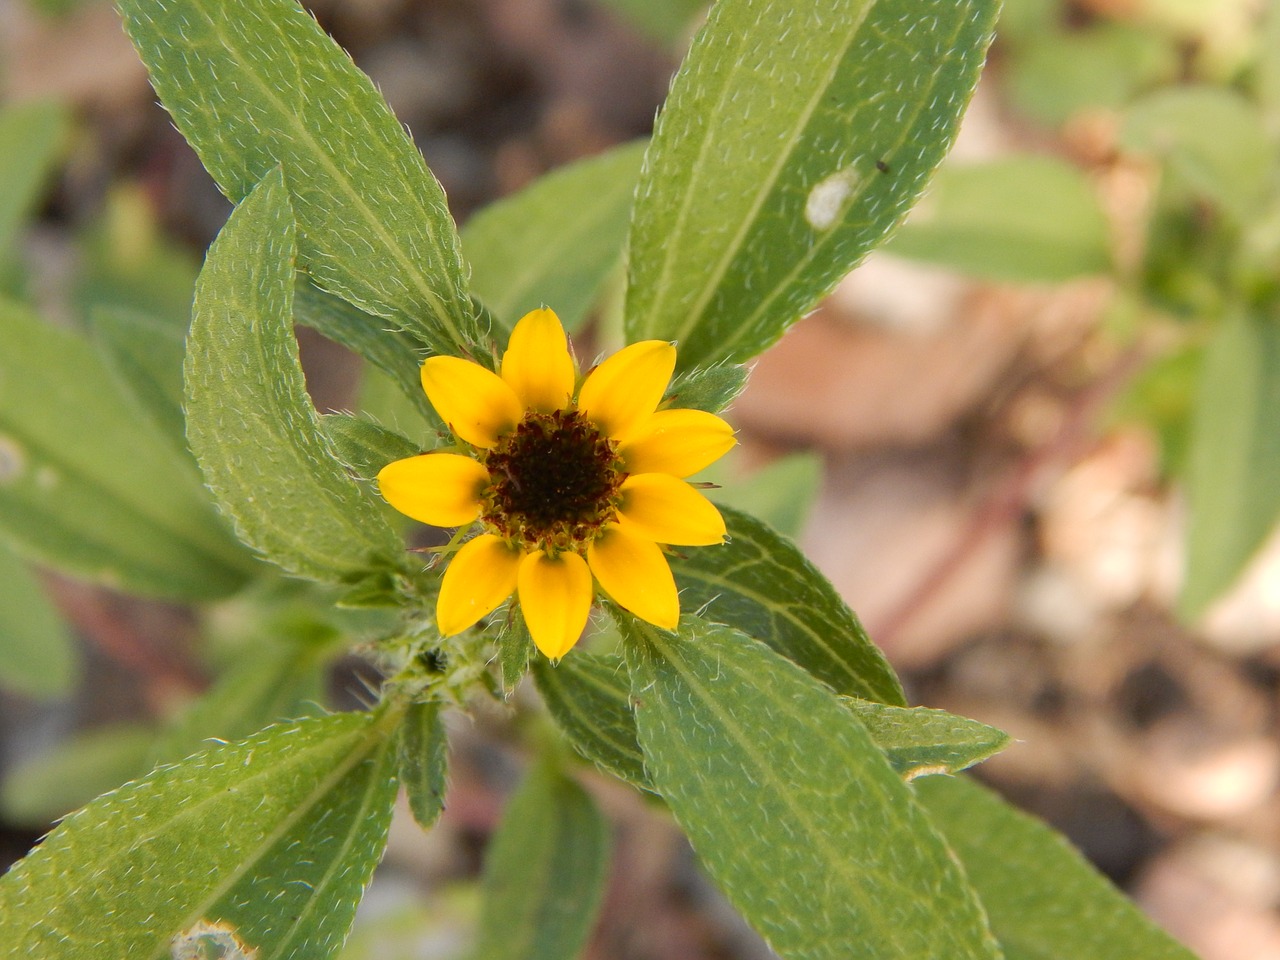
13	460
925	771
827	200
210	941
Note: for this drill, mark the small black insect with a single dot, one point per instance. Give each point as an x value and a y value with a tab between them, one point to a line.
882	166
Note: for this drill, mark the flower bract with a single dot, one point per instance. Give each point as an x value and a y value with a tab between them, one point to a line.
567	485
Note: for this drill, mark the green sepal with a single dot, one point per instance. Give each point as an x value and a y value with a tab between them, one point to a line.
515	652
708	388
374	589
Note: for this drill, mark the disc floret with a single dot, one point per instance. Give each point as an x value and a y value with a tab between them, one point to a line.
555	483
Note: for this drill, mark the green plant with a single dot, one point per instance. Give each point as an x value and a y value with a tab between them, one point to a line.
795	137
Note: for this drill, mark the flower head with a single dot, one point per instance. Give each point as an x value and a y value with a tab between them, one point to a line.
568	486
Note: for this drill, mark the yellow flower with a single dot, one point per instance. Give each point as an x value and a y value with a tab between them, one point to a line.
566	488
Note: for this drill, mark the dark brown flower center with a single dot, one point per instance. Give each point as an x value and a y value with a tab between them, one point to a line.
555	481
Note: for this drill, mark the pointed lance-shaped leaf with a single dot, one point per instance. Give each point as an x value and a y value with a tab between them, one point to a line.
89	487
250	422
790	805
263	845
1044	899
253	84
796	134
544	871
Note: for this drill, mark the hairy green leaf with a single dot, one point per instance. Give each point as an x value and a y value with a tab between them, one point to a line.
253	84
249	419
37	656
423	757
589	697
1044	900
544	873
554	243
920	740
708	388
791	806
363	446
762	584
89	488
1233	477
1023	219
795	136
267	843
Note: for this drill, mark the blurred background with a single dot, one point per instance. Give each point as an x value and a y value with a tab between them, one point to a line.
987	436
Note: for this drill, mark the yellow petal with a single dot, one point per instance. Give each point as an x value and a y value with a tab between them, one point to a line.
633	571
480	576
625	389
668	510
555	597
442	489
476	403
537	364
679	442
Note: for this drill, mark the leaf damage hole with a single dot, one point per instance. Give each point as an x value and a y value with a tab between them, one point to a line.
827	200
210	941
